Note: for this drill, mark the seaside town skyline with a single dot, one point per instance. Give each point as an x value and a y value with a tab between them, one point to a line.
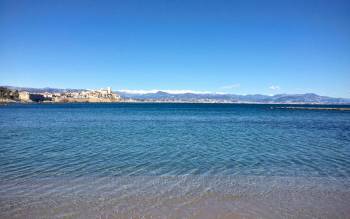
10	94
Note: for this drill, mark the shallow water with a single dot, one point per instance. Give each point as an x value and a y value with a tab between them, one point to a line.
173	160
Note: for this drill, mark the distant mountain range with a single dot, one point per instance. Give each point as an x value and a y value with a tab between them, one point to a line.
43	90
188	96
233	98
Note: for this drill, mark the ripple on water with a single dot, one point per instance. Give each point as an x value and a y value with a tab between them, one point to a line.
177	196
176	160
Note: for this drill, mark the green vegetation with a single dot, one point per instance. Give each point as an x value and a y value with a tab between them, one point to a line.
6	93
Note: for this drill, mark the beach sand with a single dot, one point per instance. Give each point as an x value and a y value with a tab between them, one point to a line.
176	197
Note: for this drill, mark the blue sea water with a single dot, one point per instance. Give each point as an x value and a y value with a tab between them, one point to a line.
47	149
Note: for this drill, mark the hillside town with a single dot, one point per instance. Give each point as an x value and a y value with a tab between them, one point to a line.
104	95
10	94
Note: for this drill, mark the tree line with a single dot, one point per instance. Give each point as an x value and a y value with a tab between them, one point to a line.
6	93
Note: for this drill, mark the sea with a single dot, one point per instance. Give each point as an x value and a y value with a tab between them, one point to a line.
173	160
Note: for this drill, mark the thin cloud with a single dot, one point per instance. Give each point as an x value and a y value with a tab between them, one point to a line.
230	86
274	87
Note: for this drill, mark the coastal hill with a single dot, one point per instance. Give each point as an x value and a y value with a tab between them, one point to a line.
68	95
53	95
8	95
161	96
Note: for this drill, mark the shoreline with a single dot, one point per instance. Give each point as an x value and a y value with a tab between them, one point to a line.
294	106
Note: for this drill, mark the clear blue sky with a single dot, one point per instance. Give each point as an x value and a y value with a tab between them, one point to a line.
244	47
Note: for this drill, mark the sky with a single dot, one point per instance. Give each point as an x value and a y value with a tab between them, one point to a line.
240	47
